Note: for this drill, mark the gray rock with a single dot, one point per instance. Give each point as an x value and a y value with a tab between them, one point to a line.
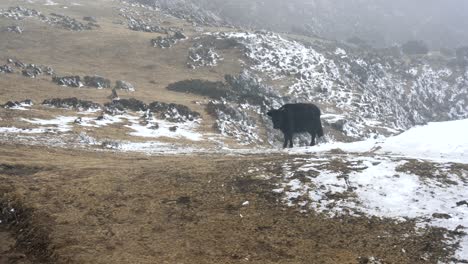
15	29
96	81
70	81
123	85
6	69
71	103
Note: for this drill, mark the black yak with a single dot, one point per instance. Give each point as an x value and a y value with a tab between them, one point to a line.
297	118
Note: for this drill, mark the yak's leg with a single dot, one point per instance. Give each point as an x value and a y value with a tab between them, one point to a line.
286	138
312	141
290	140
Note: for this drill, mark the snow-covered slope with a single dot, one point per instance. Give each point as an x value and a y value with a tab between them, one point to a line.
370	93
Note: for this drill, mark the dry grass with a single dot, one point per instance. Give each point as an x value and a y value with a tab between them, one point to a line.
115	208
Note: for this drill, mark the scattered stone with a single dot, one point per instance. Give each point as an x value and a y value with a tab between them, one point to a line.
460	203
15	29
72	102
69	81
123	85
97	81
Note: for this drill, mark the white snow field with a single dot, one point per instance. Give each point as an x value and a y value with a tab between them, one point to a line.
379	184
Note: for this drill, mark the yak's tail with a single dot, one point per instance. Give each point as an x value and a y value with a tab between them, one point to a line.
318	125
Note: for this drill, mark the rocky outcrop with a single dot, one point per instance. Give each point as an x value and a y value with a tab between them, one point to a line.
88	81
33	70
97	82
27	70
6	69
123	105
69	81
173	112
165	111
18	105
72	103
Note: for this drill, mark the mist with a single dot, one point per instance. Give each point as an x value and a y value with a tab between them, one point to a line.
380	23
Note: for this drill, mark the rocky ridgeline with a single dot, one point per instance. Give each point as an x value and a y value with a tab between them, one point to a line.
368	93
202	56
91	81
170	112
169	41
66	22
28	70
72	103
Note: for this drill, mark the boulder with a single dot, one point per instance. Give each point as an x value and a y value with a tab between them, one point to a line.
14	104
123	105
96	81
123	85
173	112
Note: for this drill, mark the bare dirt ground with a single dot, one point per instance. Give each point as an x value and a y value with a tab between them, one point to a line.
68	206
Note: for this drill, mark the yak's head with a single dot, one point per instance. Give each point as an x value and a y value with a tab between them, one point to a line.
277	116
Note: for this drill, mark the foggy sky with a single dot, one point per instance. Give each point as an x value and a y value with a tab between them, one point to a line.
440	23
